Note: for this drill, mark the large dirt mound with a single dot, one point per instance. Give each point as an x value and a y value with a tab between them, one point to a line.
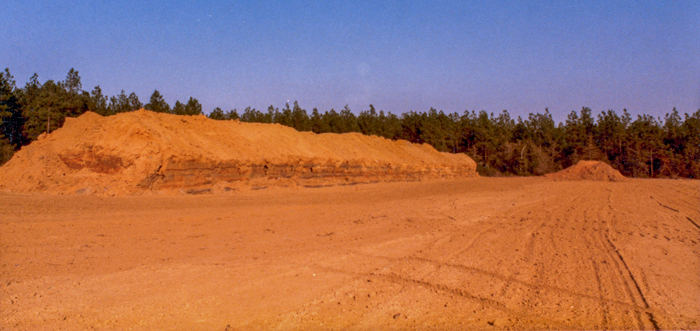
146	151
588	170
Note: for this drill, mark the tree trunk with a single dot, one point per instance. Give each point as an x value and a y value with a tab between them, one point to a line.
651	163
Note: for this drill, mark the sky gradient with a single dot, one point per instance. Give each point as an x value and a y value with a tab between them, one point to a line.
522	56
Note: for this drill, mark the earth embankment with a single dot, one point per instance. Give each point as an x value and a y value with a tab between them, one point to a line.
143	151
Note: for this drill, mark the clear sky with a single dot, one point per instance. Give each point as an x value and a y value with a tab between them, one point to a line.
521	56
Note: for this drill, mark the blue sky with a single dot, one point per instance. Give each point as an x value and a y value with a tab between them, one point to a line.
521	56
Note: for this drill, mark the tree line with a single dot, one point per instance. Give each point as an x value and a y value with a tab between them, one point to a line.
644	146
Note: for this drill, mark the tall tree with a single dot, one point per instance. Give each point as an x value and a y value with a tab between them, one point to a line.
691	152
11	119
333	120
134	103
610	136
318	125
284	117
178	108
46	106
300	119
368	121
193	107
673	145
349	121
389	125
157	103
118	104
98	102
72	82
232	115
645	129
217	114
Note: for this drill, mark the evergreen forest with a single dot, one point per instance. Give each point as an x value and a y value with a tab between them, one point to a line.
643	147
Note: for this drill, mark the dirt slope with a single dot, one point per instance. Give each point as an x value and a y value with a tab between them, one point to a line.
475	254
588	170
146	151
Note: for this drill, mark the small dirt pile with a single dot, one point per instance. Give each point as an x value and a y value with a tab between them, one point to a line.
146	151
588	170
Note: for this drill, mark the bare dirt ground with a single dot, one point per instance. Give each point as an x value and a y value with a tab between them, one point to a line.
484	253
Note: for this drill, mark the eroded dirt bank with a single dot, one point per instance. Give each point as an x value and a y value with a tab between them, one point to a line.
144	152
479	253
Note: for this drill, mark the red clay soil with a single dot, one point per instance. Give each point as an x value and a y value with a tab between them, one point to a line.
144	151
588	170
474	254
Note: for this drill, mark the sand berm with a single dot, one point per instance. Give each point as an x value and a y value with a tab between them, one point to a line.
588	170
143	151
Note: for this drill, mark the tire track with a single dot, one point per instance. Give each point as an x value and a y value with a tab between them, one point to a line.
607	249
604	306
446	290
575	220
588	241
634	282
537	287
588	203
623	270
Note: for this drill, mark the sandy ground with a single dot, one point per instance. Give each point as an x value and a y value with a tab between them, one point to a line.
485	253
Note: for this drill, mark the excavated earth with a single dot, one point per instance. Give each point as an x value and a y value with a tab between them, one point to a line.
144	152
588	170
479	253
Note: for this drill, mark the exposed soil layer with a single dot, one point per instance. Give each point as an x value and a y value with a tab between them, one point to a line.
144	151
481	253
588	170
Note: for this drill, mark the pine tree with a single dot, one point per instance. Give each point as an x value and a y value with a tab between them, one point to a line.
157	103
368	121
98	102
42	110
118	104
232	115
134	103
691	152
270	116
645	129
318	125
72	82
178	108
284	117
11	119
193	107
389	125
300	120
348	120
333	120
217	114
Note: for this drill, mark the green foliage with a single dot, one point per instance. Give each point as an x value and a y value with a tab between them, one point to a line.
157	103
98	102
11	119
6	151
45	106
218	114
368	122
252	115
192	107
318	125
122	103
